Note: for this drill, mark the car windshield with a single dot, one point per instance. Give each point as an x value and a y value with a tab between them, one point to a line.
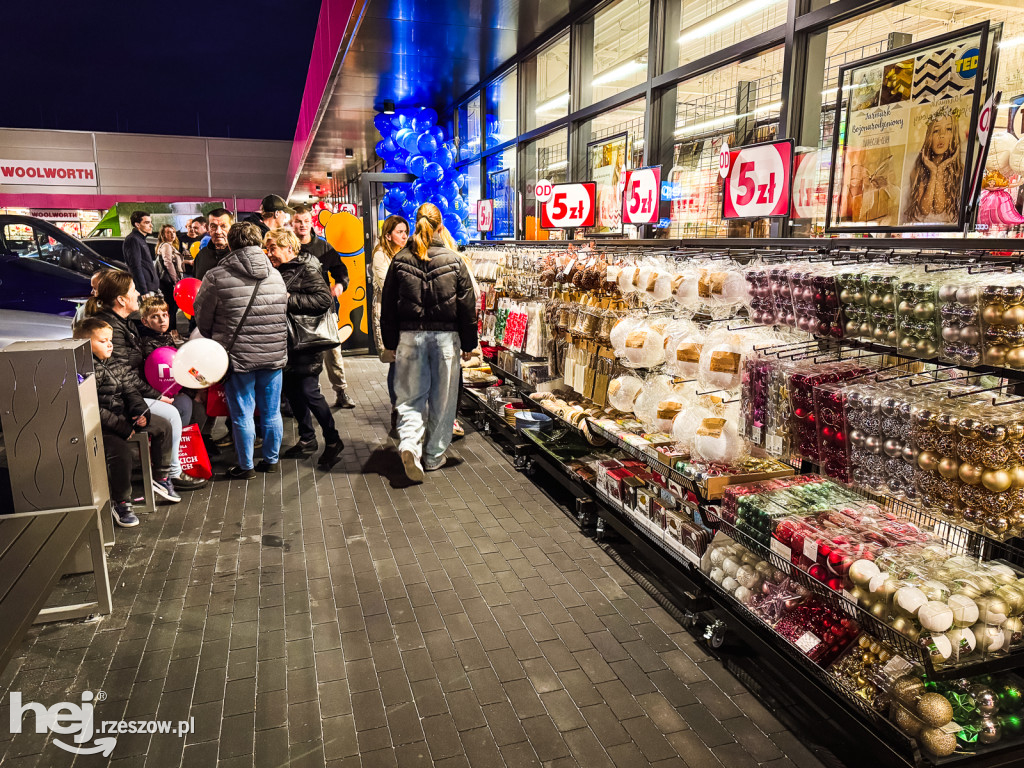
32	242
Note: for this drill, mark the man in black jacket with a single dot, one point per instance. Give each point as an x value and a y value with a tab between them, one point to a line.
331	265
219	221
138	257
273	214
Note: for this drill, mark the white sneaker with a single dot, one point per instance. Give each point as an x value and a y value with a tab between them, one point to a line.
412	466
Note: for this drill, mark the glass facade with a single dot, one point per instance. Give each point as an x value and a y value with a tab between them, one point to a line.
546	85
617	90
501	188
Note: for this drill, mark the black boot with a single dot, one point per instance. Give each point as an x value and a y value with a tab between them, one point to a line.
301	449
331	454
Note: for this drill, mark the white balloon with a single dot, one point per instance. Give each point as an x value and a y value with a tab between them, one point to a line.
199	363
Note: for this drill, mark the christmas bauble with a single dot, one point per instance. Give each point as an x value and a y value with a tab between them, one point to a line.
989	731
937	742
934	709
992	610
1012	726
935	616
985	699
862	571
909	600
907	689
965	610
1010	697
906	721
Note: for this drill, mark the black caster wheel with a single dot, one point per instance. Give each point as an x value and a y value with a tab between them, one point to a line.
529	469
714	634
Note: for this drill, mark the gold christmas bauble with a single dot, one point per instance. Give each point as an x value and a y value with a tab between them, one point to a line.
934	709
927	460
1015	357
907	689
1014	315
995	480
937	742
906	721
948	468
969	473
995	355
1014	598
1016	475
992	314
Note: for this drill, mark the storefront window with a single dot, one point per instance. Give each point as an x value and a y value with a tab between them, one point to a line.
546	84
545	158
501	181
846	44
502	103
738	103
469	128
697	28
616	39
472	172
609	145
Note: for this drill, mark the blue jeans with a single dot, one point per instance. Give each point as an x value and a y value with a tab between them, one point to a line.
244	393
427	375
169	419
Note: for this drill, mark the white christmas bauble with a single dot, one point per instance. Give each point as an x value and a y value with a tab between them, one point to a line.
965	610
656	389
645	348
730	565
717	574
729	584
935	616
962	640
940	648
620	331
725	448
717	556
721	365
625	281
686	289
743	594
663	287
989	638
909	600
686	355
862	571
735	289
643	277
746	575
668	410
623	391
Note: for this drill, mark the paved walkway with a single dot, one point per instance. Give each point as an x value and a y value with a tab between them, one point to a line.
346	619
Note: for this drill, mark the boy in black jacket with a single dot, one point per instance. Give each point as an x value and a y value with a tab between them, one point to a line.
122	412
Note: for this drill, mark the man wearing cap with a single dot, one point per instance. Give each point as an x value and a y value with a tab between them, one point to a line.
274	213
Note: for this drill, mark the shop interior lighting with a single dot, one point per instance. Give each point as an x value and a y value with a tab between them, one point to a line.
726	18
389	107
552	104
620	72
718	122
1012	42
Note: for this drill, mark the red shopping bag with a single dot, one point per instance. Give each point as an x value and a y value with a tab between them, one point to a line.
195	461
216	401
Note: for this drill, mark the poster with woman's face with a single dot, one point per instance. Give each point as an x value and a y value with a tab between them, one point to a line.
901	161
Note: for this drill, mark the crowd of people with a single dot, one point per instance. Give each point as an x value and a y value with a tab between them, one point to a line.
263	280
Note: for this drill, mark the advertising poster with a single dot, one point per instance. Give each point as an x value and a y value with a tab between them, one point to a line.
902	156
607	163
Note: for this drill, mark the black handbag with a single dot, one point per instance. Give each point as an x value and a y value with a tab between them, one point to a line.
312	333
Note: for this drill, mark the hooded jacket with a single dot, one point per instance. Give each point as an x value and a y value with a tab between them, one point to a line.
262	342
308	294
207	258
434	295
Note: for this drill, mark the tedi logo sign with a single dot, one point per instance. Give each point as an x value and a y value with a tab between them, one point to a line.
66	719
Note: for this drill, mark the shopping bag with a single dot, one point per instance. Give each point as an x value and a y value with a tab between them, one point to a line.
216	401
195	461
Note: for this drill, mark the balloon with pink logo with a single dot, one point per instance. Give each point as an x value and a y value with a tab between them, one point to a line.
158	371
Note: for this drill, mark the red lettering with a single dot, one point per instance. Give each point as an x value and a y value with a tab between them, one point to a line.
7	170
62	173
19	172
50	172
90	174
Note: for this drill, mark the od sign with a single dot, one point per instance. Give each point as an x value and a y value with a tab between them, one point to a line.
485	216
640	201
759	181
570	205
543	190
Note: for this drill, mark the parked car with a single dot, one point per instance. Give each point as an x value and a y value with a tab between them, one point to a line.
42	267
111	248
32	326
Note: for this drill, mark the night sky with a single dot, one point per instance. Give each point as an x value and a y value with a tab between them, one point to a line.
187	68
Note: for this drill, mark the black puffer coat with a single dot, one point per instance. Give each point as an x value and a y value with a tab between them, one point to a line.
434	295
120	402
308	294
262	343
130	349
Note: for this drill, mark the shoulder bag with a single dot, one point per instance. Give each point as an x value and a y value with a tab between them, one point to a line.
311	333
238	329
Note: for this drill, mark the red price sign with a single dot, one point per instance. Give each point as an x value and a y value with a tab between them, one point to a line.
570	205
485	216
759	181
640	201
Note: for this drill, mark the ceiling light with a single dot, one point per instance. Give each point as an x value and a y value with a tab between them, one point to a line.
389	107
620	72
725	18
552	104
349	152
1010	42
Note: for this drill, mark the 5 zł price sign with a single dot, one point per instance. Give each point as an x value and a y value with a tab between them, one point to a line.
759	181
640	201
485	216
570	205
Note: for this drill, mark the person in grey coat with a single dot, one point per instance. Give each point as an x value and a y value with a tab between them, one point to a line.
259	351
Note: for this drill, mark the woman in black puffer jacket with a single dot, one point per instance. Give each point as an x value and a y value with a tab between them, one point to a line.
308	294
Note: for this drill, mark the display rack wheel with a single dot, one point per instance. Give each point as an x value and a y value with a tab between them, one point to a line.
600	533
714	634
522	463
529	467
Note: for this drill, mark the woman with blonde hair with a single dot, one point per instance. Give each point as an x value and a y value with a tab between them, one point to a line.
170	267
428	316
394	233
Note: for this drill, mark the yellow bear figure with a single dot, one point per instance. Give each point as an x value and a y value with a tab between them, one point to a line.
344	232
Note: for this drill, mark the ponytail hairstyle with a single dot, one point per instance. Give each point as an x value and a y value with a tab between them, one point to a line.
428	222
112	284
